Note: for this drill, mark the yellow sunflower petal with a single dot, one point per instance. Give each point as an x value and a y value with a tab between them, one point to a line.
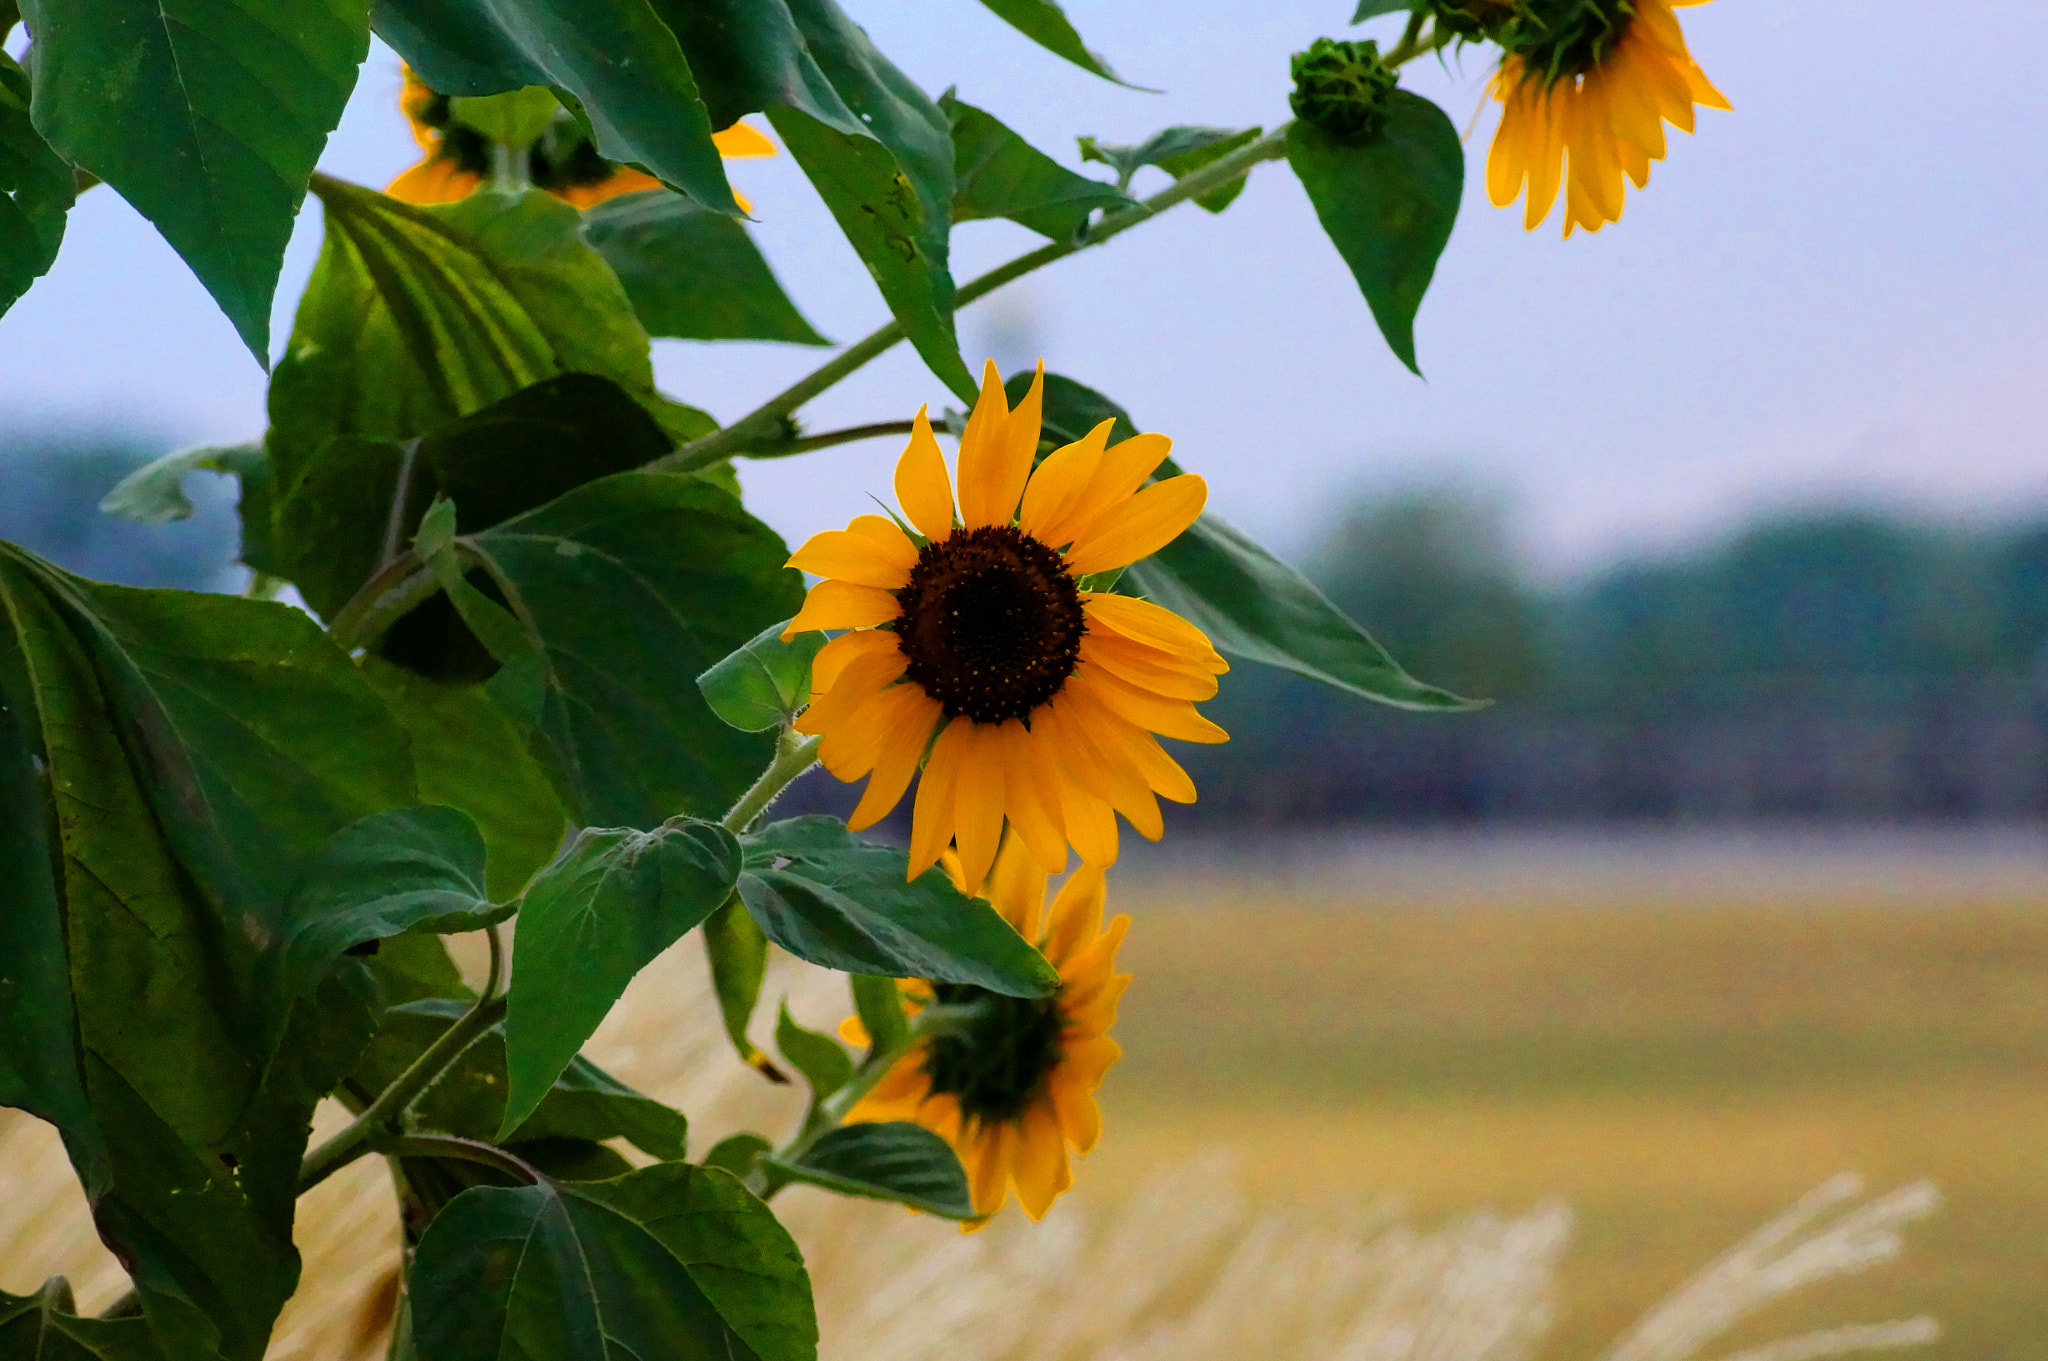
1091	824
987	1161
842	605
1075	918
1153	625
742	141
1122	469
1080	1116
1087	1060
922	487
1546	154
912	716
978	804
1139	527
887	537
436	179
1031	806
1167	717
1056	487
1039	1159
931	819
867	730
842	555
1080	738
623	180
857	683
843	651
855	1033
983	461
1016	886
1013	451
1146	667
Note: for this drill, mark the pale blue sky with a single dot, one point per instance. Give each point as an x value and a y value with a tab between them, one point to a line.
1839	290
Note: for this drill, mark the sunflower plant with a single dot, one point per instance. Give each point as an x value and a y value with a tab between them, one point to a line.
543	676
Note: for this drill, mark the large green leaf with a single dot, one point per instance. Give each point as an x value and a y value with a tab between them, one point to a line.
763	682
999	174
737	953
616	57
414	318
624	590
693	274
669	1263
36	190
875	147
826	896
822	1060
1387	203
1046	24
591	921
468	755
168	764
890	1160
45	1326
1179	151
208	118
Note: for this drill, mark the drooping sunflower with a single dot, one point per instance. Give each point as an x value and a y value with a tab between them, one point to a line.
984	647
1015	1088
564	162
1587	87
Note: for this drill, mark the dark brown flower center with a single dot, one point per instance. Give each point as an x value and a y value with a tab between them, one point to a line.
991	623
997	1064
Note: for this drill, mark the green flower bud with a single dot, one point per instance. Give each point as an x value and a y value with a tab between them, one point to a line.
1342	88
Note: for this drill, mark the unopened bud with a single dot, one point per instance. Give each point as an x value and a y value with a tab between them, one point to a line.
1342	88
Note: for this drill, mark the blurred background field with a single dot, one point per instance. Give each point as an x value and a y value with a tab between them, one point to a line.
1678	1034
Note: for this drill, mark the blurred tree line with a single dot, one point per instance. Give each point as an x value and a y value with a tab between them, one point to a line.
51	482
1818	665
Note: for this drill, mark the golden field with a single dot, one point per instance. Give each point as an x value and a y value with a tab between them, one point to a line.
1678	1058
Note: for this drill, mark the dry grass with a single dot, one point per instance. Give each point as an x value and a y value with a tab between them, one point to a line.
1677	1075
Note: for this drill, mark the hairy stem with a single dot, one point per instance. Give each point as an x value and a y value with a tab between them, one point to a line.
391	591
825	440
759	427
793	756
379	1120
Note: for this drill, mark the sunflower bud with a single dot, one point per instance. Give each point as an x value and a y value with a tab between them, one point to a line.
1341	87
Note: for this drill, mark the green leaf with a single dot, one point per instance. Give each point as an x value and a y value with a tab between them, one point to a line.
874	146
669	1261
1071	410
1387	204
890	1160
827	896
999	174
405	869
45	1326
1046	24
414	318
737	1153
36	191
208	121
737	952
591	921
1178	151
644	109
685	576
691	273
879	1004
1372	9
169	762
765	681
1254	606
154	494
585	1103
468	755
820	1058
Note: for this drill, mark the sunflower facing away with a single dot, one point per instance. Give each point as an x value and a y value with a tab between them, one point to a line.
1592	82
1016	1086
980	647
564	161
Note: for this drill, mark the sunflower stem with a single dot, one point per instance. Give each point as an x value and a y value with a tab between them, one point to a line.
793	756
761	427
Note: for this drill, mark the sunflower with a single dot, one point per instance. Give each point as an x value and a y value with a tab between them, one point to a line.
1016	1085
986	647
1597	79
564	161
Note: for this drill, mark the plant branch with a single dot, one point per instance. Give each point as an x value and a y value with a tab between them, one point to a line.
468	1150
391	591
379	1120
806	443
758	428
793	756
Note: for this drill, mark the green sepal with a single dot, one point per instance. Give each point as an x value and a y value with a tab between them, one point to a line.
887	1160
763	684
1178	151
737	953
737	1153
822	1060
879	1004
